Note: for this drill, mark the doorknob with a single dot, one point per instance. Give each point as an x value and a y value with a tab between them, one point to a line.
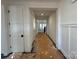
22	35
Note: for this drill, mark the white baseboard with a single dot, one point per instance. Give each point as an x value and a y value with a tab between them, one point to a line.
73	55
65	54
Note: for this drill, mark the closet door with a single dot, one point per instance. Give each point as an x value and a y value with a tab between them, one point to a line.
16	28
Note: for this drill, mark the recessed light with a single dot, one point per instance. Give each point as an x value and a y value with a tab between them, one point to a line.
42	14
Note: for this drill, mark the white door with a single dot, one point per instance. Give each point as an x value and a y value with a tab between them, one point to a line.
16	28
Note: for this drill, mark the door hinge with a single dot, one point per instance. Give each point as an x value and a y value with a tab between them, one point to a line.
8	11
10	47
9	35
9	23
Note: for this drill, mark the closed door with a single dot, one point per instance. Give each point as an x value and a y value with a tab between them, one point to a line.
16	28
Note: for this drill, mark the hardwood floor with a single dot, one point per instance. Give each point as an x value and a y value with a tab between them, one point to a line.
43	48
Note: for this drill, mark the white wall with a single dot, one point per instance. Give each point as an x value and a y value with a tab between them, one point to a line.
51	30
5	42
68	21
69	40
33	23
68	12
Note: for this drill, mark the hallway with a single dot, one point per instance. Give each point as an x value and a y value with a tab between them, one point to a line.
24	21
43	49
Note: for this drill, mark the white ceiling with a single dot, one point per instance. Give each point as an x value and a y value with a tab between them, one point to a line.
46	11
37	0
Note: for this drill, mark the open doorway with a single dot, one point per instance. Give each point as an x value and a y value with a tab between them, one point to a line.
45	21
41	25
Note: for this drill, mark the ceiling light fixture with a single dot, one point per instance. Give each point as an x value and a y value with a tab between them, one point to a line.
42	14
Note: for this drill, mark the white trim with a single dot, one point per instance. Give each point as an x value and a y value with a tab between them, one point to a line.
69	26
65	54
69	41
